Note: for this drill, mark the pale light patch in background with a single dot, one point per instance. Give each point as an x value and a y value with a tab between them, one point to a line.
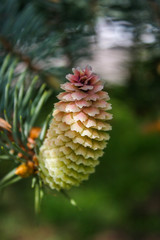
111	51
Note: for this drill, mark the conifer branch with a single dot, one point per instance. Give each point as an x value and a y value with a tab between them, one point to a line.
19	110
9	48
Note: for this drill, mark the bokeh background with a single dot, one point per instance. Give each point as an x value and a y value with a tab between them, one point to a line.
120	39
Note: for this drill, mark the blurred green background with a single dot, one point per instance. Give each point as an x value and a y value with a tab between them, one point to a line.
120	39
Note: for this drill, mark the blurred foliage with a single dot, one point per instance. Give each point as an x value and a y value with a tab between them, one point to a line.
142	19
123	194
38	30
122	200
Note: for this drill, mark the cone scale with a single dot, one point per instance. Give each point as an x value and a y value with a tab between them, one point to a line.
78	131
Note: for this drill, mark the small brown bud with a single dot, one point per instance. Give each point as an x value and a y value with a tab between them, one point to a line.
34	133
25	169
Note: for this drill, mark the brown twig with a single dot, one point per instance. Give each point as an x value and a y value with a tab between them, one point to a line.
50	79
24	58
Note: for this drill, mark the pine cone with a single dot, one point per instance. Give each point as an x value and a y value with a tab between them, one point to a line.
77	134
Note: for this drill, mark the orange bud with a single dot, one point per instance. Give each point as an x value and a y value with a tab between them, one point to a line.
34	133
25	169
152	127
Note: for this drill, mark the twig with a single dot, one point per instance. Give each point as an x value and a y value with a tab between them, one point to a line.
50	79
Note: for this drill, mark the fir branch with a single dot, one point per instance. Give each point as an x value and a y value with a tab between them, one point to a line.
24	58
20	108
50	79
